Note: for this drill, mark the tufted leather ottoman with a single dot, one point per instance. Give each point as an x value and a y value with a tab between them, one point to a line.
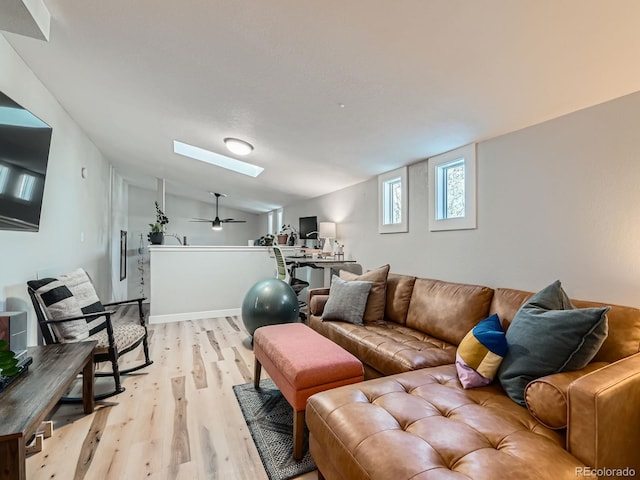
423	425
302	362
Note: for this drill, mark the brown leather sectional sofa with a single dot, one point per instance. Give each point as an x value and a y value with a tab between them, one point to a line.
417	422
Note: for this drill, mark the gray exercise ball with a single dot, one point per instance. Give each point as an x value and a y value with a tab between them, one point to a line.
269	302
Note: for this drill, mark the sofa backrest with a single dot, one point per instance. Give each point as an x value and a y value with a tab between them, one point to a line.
445	310
506	302
399	290
624	322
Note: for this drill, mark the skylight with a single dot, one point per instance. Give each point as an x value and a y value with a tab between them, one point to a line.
216	159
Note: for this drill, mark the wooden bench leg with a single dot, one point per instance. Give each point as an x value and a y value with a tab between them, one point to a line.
46	428
88	377
35	446
298	434
12	458
257	370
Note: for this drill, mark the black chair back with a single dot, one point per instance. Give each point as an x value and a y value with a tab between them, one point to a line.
45	329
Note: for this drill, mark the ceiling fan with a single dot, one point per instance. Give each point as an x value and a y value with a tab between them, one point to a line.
216	223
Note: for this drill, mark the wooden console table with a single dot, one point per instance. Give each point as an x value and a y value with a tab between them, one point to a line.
28	400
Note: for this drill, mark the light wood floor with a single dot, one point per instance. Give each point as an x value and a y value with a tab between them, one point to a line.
177	419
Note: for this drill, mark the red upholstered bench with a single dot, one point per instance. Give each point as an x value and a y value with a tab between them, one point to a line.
302	362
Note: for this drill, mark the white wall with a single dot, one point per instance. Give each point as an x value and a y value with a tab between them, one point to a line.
74	227
119	222
559	200
194	282
179	210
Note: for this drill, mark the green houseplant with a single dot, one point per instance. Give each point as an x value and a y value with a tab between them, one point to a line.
265	240
291	232
8	362
156	234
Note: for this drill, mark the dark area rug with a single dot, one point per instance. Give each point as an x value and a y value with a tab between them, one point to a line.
270	421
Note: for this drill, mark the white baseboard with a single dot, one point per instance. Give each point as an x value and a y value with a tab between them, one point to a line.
181	317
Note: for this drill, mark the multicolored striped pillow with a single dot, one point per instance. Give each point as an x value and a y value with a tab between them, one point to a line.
58	301
480	353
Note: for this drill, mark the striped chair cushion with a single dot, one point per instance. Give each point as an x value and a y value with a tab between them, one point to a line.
124	335
82	289
58	302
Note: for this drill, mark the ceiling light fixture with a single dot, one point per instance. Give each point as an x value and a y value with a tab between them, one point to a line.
237	146
216	159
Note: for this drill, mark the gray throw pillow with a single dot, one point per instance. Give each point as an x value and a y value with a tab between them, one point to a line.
347	300
549	335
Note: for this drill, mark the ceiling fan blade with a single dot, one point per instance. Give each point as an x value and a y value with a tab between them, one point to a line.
231	220
201	220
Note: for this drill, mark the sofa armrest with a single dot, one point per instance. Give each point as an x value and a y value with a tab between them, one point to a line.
546	397
317	300
604	416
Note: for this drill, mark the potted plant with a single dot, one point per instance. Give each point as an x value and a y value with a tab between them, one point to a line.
156	235
265	240
8	362
290	235
282	238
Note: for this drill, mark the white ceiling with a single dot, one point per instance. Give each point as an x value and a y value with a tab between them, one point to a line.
416	77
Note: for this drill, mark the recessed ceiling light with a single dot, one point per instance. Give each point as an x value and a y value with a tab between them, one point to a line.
216	159
237	146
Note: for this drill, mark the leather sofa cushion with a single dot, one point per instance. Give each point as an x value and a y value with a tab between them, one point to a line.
506	302
399	290
374	312
546	397
447	310
624	322
624	331
428	423
389	348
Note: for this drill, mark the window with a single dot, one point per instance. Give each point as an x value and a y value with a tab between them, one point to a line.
270	223
392	201
280	215
452	183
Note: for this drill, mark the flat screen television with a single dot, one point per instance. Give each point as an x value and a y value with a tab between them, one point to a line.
308	225
24	154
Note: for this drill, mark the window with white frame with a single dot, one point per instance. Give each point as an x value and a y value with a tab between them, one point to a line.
270	223
393	197
280	216
452	186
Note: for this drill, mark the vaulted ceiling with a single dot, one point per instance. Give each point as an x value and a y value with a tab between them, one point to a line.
329	92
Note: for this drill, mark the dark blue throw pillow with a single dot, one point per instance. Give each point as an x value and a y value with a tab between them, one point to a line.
549	335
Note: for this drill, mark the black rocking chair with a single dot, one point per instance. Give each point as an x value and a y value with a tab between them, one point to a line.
113	340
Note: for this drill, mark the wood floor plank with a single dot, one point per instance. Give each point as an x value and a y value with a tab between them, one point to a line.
91	442
242	365
199	372
208	454
232	322
214	343
180	447
177	419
